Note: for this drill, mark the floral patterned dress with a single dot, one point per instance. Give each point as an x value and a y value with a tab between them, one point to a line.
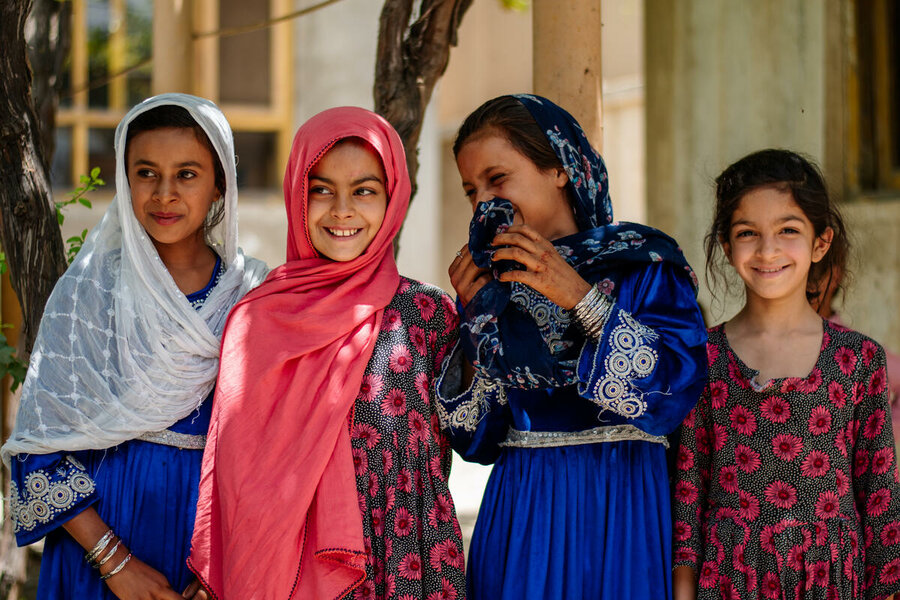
402	461
790	490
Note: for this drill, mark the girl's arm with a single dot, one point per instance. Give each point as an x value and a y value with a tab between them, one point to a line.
472	412
875	478
691	487
653	384
648	363
684	583
136	580
34	479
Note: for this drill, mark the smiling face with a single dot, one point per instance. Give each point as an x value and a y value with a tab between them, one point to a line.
171	174
491	167
772	245
347	200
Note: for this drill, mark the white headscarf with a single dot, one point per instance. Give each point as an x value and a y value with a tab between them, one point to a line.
120	350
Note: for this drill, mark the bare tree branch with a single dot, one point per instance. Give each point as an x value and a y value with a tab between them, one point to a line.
48	31
410	60
262	25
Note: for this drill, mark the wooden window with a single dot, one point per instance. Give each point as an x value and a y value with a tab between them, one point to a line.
111	68
873	140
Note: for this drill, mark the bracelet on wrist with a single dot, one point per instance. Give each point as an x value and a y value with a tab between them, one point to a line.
592	312
118	568
106	558
99	547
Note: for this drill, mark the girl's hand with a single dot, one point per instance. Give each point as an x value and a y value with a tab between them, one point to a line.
195	590
138	581
546	271
465	277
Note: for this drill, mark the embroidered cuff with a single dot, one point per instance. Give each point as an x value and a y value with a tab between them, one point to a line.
48	494
464	409
606	374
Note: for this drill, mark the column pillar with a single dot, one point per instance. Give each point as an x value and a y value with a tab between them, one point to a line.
172	46
567	66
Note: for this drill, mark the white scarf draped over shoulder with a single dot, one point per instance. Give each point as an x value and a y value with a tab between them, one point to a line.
120	351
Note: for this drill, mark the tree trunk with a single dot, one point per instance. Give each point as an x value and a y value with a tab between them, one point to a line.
29	231
410	60
48	32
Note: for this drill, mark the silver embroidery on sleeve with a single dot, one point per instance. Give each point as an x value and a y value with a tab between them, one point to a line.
630	358
41	501
469	413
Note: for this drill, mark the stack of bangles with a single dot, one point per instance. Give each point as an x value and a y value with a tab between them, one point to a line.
97	558
592	312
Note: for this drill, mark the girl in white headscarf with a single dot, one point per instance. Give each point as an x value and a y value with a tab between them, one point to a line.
106	451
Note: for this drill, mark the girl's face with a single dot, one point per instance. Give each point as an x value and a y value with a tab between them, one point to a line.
772	244
491	167
172	179
347	200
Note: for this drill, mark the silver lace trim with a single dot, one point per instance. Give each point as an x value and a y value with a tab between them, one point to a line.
597	435
185	441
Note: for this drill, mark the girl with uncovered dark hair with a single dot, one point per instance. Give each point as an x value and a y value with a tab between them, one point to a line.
584	346
107	445
786	482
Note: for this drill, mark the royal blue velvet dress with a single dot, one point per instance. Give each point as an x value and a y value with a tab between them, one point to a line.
145	491
578	503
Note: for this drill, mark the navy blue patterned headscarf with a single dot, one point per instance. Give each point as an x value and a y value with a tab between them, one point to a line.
514	334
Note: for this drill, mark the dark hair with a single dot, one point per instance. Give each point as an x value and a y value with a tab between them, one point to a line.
178	117
790	172
512	120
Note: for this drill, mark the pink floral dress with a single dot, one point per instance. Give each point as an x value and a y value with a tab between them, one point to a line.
791	491
402	461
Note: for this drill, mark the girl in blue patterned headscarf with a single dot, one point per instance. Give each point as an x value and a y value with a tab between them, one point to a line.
585	347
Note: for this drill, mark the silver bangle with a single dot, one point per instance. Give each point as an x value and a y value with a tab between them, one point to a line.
106	558
99	547
118	568
592	312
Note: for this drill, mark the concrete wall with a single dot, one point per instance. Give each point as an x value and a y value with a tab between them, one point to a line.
334	57
730	77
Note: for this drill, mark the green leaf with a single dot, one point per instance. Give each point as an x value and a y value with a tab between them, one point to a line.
520	5
7	354
85	202
100	182
17	370
95	172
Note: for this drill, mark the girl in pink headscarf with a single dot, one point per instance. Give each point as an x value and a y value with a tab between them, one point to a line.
325	475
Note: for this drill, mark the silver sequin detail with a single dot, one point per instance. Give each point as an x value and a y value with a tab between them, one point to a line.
630	357
185	441
42	500
597	435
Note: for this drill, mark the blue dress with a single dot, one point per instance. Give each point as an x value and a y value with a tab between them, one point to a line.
578	505
145	491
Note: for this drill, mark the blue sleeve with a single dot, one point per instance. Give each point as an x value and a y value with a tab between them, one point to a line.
649	365
475	419
46	490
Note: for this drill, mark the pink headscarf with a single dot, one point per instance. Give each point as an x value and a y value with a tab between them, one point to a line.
278	515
